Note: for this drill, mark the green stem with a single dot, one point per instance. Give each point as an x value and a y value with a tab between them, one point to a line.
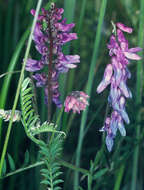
69	7
89	88
76	44
89	182
62	162
57	123
24	169
72	167
138	95
50	67
9	73
81	16
59	116
119	177
6	83
19	87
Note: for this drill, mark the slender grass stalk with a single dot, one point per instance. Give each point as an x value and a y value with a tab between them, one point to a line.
119	177
24	169
78	30
76	45
89	88
82	13
19	86
139	85
40	163
57	122
59	116
89	182
72	167
69	9
10	71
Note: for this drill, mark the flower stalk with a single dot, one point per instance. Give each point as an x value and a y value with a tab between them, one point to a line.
50	71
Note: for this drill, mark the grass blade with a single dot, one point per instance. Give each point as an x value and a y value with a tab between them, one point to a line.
138	95
19	86
119	177
89	88
69	9
12	65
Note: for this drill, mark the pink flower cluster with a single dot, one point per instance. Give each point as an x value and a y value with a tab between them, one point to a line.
76	101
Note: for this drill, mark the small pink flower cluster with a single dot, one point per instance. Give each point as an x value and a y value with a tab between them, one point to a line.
76	101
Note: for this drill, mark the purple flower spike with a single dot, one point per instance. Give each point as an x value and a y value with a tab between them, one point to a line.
117	74
50	34
76	101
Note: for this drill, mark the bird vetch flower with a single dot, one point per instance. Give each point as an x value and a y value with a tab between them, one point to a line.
116	75
49	36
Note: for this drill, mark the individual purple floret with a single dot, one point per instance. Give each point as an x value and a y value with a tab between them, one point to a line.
116	74
76	101
49	36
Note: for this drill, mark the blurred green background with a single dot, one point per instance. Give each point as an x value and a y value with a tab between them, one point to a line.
123	168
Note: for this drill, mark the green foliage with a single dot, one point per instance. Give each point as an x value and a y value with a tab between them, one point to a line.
11	162
100	173
30	119
80	188
4	168
26	158
50	154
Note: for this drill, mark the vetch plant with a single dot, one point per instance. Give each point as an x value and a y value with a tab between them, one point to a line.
49	36
116	74
45	95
